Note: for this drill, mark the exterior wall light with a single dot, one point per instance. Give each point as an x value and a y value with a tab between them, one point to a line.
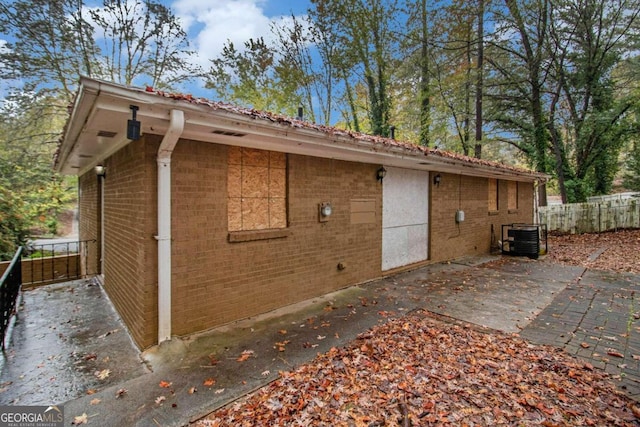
133	125
381	173
324	211
100	171
436	180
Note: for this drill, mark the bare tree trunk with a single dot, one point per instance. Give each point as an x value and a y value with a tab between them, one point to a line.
480	78
425	93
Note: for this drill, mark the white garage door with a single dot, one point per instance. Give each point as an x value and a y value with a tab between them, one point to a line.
405	215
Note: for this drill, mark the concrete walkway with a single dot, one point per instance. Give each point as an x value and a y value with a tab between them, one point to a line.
187	378
597	320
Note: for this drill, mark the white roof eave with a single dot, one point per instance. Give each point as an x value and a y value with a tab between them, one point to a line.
103	107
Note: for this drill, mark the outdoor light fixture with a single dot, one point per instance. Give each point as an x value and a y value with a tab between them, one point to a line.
436	180
324	211
133	126
100	170
381	173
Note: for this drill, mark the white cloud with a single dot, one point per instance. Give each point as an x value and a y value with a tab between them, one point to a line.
211	24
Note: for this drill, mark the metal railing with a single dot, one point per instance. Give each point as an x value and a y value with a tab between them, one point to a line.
10	284
58	262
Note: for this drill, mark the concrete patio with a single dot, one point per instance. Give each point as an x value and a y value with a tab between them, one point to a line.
67	336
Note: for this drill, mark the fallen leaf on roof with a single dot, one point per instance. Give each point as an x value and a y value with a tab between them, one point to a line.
192	390
209	382
165	384
121	393
160	399
95	401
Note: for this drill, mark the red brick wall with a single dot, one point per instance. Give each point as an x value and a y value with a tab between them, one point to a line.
473	236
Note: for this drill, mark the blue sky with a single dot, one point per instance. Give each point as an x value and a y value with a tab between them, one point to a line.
211	23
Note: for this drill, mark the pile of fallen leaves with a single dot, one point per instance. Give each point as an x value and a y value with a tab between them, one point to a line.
614	250
418	370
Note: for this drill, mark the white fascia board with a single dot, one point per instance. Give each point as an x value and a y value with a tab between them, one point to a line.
201	120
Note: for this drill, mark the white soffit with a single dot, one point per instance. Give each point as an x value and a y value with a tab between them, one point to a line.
97	129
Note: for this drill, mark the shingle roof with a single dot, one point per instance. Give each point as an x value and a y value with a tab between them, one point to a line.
333	131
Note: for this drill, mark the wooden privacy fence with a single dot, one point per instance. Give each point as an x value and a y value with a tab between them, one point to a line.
593	217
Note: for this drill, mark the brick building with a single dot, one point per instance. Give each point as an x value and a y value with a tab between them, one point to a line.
216	213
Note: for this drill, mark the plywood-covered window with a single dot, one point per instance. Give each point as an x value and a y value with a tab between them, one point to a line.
257	189
512	195
493	195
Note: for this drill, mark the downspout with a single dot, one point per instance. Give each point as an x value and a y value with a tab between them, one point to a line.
536	208
176	126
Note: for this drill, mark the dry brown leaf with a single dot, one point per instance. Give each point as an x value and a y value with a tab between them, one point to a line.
614	353
209	382
95	401
165	384
102	375
416	370
80	419
245	355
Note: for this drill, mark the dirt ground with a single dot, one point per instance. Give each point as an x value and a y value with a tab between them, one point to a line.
617	251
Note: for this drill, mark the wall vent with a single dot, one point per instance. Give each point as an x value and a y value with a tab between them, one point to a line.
107	134
227	133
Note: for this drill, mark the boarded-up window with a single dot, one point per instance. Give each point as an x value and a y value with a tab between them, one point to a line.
512	195
257	189
493	195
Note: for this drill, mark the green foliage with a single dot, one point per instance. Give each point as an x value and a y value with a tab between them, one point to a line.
558	85
254	77
51	44
13	224
576	190
631	179
26	152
